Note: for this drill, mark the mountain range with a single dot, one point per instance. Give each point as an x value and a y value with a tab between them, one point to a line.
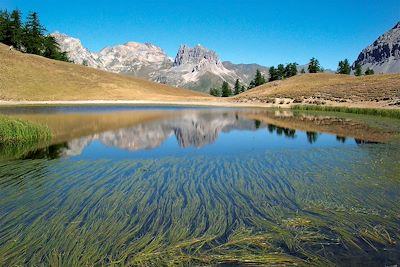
200	68
196	68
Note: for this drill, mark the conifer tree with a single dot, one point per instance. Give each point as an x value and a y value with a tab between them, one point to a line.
16	29
226	90
236	88
52	49
273	74
314	66
291	70
5	28
29	37
34	34
280	72
369	71
358	70
259	78
344	67
215	92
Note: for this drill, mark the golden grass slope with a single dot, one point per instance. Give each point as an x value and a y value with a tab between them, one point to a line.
35	78
328	87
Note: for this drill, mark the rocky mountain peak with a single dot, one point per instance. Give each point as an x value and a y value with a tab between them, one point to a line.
383	55
197	55
133	52
75	50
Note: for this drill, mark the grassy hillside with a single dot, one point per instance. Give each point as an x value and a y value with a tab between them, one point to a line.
31	77
328	87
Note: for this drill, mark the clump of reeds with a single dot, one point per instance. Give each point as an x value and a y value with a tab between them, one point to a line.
392	113
14	131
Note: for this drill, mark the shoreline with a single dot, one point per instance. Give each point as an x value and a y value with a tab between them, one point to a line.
226	103
136	102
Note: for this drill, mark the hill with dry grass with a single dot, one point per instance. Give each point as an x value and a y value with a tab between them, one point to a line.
330	89
35	78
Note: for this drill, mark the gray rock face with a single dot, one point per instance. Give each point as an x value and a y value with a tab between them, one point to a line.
136	59
383	55
197	68
196	55
76	52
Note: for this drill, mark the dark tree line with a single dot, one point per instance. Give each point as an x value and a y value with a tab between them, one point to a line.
29	36
345	68
226	91
258	80
281	71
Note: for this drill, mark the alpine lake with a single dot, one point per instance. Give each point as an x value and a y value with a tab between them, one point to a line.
122	185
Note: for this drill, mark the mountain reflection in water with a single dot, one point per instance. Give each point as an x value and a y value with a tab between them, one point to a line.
193	130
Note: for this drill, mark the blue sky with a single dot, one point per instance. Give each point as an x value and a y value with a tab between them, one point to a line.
264	32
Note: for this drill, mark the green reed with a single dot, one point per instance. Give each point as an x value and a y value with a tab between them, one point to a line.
392	113
13	131
286	207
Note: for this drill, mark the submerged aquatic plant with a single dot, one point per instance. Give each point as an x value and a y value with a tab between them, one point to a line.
306	207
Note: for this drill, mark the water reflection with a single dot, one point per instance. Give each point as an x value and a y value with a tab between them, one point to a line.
202	187
190	130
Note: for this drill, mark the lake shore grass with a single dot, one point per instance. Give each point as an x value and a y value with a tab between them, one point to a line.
391	113
15	131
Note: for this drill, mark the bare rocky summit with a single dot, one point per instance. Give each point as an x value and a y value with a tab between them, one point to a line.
76	51
197	68
136	59
383	55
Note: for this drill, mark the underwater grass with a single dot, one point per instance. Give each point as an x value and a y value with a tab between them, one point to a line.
392	113
14	131
296	207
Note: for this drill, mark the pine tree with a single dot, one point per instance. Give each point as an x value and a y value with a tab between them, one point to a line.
16	29
344	67
226	90
358	70
242	90
215	92
236	88
303	71
369	71
314	66
273	74
280	72
5	28
34	34
259	78
52	49
291	70
30	37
